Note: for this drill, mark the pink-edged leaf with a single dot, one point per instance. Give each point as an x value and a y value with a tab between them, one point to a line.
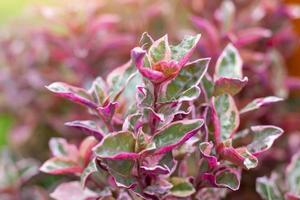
186	81
60	166
137	55
267	189
291	196
88	127
108	110
146	41
175	134
159	187
239	156
230	86
27	169
159	164
148	111
185	49
206	26
98	91
263	138
228	178
62	149
259	102
87	172
181	187
205	150
121	171
119	78
118	145
72	93
225	15
293	175
229	64
85	149
225	117
160	50
131	122
251	35
73	191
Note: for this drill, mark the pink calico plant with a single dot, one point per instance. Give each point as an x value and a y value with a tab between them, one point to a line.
163	128
283	184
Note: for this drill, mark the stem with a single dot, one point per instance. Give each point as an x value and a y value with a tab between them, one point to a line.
153	121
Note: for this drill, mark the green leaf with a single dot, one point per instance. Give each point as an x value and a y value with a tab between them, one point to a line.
122	78
259	102
87	172
267	189
146	41
229	64
184	86
208	86
60	166
183	50
229	86
117	146
228	178
160	50
263	138
98	91
228	115
175	134
121	171
293	175
181	187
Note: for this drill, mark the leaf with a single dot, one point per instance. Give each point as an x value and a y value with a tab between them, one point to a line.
60	166
226	14
184	50
160	50
175	134
98	91
267	189
72	191
120	78
62	149
131	122
229	86
88	127
229	64
146	41
228	178
87	172
227	120
208	86
119	145
121	171
27	169
239	156
189	77
293	174
263	138
181	187
259	102
251	35
74	94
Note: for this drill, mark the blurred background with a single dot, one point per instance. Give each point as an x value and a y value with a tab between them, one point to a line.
42	41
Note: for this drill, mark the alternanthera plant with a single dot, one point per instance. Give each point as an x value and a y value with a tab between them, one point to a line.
162	127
